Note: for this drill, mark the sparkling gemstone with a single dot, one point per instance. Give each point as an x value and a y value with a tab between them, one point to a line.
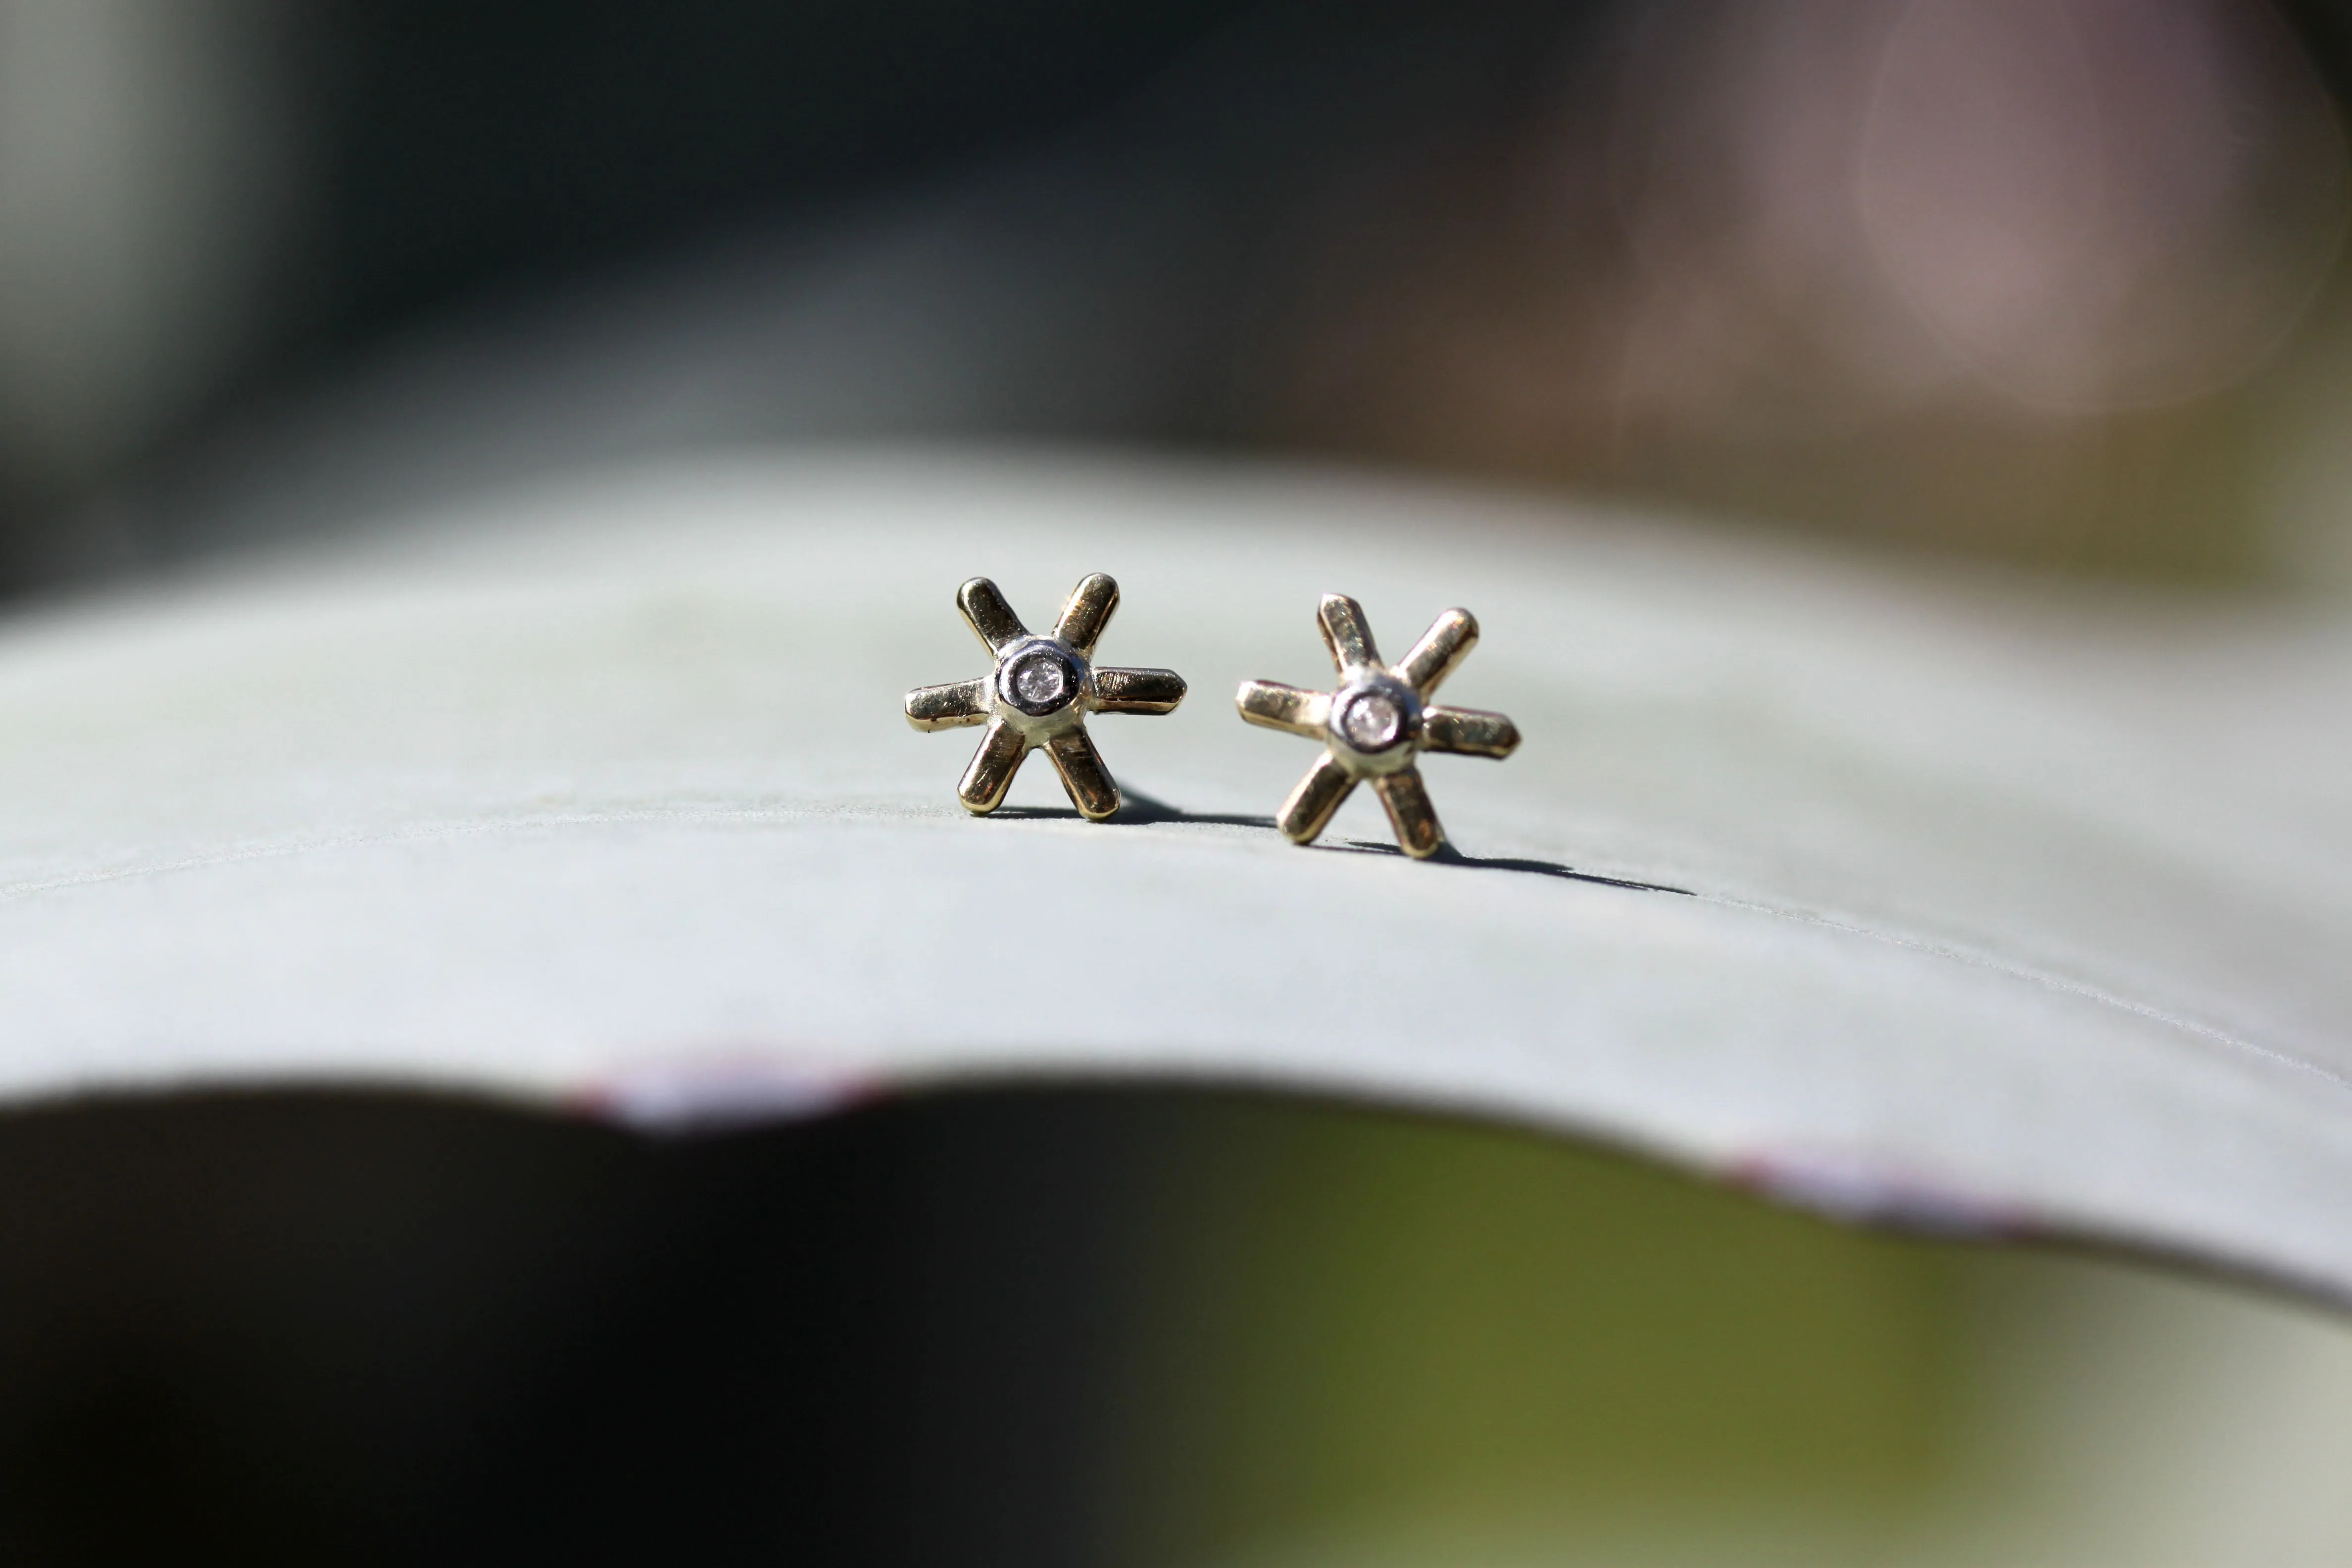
1040	680
1372	721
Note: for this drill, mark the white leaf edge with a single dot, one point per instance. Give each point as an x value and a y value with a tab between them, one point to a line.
2009	908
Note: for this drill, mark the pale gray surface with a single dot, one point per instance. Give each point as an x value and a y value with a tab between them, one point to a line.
2012	907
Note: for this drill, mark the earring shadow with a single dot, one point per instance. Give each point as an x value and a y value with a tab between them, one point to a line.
1143	810
1139	809
1136	809
1449	855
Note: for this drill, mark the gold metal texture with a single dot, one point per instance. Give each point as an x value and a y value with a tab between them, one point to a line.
1376	723
1039	695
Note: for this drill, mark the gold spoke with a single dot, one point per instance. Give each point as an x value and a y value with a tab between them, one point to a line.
1087	612
1346	633
1469	732
992	620
1084	775
992	770
1409	812
1308	810
1138	690
949	707
1446	643
1274	706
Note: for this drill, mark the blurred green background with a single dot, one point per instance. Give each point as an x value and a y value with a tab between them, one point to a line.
1374	1340
1134	1326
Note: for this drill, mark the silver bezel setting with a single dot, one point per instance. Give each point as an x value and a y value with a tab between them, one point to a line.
1050	717
1397	754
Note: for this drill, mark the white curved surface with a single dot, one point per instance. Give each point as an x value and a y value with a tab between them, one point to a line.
2006	907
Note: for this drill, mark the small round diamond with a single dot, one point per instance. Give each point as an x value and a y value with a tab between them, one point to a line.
1040	680
1372	721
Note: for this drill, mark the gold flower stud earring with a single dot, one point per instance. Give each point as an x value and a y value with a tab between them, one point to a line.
1039	694
1377	721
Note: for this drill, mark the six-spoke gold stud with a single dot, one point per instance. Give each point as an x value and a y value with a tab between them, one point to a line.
1039	694
1375	724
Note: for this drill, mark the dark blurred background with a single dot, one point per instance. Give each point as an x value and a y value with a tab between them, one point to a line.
2053	283
2059	282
